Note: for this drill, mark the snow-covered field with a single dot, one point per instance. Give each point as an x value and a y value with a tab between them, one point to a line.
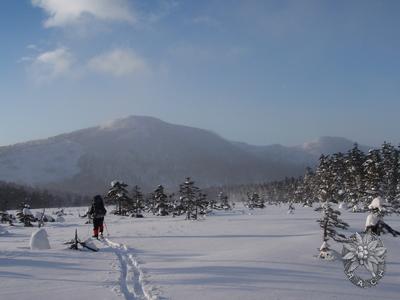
230	255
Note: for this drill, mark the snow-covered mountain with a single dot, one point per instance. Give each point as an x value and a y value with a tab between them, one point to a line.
305	154
147	151
330	145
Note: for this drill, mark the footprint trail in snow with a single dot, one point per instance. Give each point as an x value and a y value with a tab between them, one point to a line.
132	279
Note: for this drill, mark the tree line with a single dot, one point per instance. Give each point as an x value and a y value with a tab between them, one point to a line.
190	201
353	178
12	195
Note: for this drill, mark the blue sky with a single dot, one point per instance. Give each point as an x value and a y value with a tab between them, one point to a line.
261	72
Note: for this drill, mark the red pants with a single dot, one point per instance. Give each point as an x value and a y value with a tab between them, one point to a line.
98	226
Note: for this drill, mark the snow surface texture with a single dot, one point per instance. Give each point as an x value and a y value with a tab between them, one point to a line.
39	240
60	219
240	254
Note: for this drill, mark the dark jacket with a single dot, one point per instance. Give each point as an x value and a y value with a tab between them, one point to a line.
97	210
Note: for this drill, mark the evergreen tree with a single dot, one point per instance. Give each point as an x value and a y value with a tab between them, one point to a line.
305	192
161	206
24	215
138	202
391	176
193	200
222	202
373	170
255	201
5	217
329	220
118	195
338	169
355	183
213	203
178	206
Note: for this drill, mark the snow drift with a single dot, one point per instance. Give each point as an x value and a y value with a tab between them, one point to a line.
39	240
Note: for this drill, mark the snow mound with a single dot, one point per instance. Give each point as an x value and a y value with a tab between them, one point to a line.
60	219
377	203
90	243
372	220
39	240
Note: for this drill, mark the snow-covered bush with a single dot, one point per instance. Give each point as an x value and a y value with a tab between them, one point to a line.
25	215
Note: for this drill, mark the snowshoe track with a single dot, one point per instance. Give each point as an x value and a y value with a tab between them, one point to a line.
132	280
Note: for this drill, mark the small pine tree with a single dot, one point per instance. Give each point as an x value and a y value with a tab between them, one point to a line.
390	177
373	169
305	192
24	215
178	206
194	203
355	182
161	206
138	202
255	201
222	202
329	220
118	196
5	217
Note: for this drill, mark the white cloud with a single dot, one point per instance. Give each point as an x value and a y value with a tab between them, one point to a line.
118	62
51	64
32	47
66	12
24	59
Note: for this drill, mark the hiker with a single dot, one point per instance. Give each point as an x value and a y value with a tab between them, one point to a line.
97	211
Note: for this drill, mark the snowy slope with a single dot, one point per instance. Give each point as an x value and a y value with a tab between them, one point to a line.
139	150
38	162
231	255
306	154
148	152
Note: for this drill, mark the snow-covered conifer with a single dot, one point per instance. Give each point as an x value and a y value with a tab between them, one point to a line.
222	202
355	183
193	200
329	220
138	202
373	170
25	215
390	177
255	201
161	206
118	195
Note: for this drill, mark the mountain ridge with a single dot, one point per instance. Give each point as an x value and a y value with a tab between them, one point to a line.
148	151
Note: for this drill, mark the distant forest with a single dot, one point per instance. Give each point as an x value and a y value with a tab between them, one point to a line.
354	177
12	195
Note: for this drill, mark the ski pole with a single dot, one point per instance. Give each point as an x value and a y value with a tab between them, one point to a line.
105	226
